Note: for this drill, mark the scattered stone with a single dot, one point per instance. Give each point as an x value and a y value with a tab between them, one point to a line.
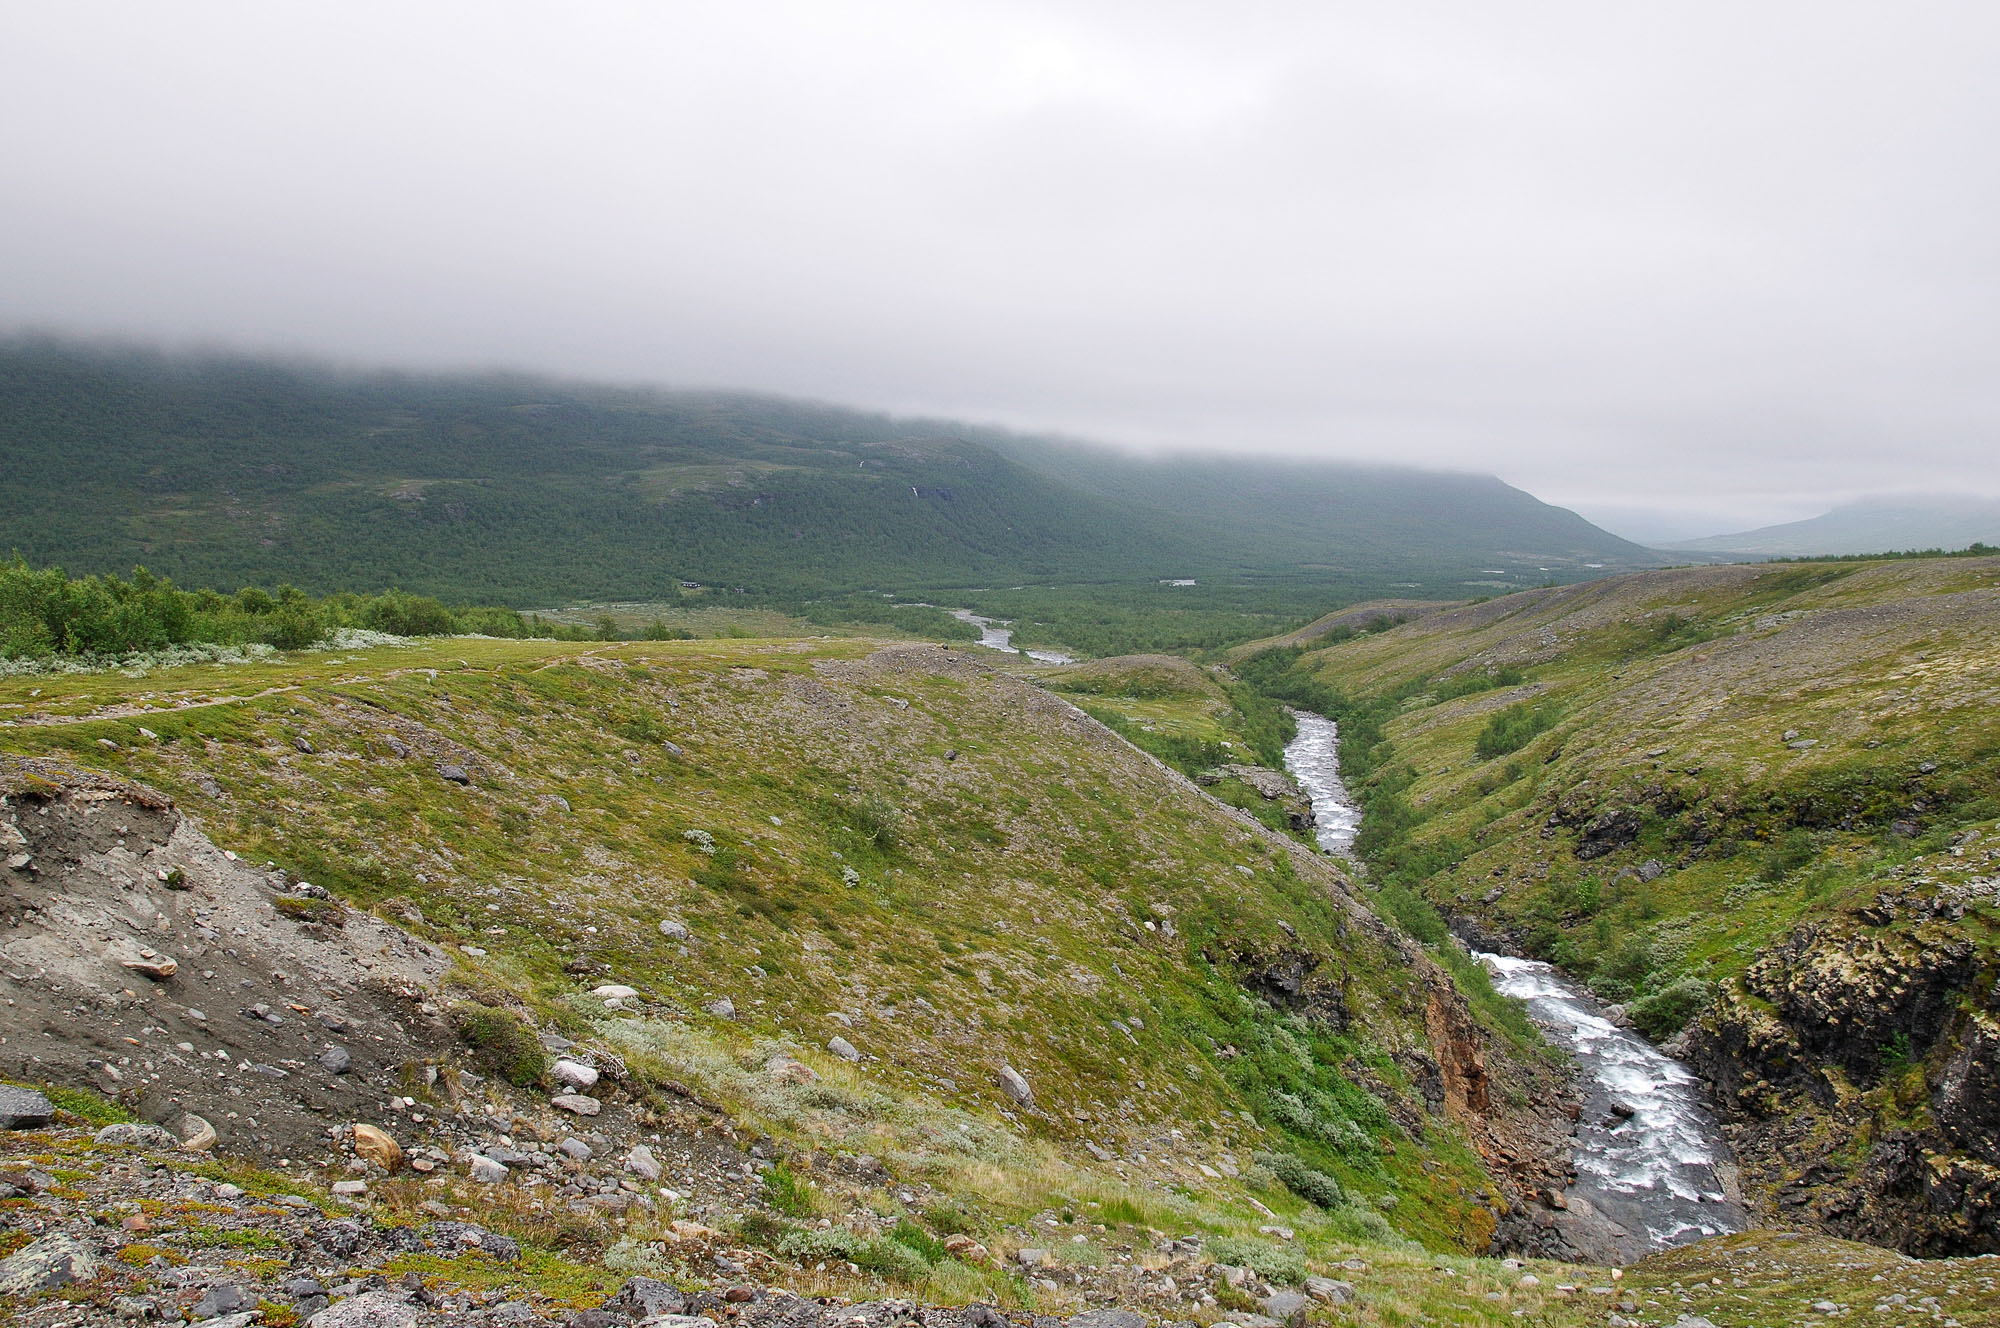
350	1188
1329	1291
1031	1258
454	774
842	1048
722	1009
336	1060
614	991
51	1262
673	930
1016	1086
136	1134
511	1311
575	1074
24	1108
485	1170
641	1163
378	1146
576	1149
578	1103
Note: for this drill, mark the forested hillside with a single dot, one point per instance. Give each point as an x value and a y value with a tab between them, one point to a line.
220	473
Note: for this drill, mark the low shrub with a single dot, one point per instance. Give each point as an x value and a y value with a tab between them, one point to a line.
501	1042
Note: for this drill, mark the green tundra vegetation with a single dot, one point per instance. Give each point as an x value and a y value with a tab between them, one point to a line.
937	850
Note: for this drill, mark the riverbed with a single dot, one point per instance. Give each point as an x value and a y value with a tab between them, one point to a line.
998	634
1650	1157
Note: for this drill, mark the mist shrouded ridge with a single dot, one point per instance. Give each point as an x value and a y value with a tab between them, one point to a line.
228	471
1881	525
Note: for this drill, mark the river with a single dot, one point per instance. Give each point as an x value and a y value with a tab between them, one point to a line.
995	634
1649	1154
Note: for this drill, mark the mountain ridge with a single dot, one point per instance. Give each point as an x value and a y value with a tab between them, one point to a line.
222	471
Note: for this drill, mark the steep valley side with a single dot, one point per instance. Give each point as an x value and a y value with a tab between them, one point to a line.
1754	807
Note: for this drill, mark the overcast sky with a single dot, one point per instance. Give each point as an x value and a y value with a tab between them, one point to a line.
1685	267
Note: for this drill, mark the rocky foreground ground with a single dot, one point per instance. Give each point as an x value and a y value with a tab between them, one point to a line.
111	1224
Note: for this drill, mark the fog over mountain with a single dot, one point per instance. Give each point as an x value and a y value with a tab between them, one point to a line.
1683	269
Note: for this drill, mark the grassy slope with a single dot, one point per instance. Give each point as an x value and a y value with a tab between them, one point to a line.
1687	681
1000	911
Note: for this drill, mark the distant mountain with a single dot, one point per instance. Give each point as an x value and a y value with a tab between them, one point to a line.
221	472
1880	526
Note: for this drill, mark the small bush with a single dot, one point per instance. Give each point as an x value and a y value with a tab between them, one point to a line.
501	1042
1268	1261
1315	1187
789	1192
1512	729
1667	1012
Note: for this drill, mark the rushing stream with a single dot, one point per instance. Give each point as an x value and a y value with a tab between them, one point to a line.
1650	1158
1649	1154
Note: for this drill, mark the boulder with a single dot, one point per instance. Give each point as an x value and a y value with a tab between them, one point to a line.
486	1170
614	991
1283	1304
51	1262
453	774
24	1108
641	1163
197	1135
136	1134
335	1060
722	1009
574	1074
673	929
644	1298
143	959
223	1298
576	1103
1329	1291
1015	1086
842	1048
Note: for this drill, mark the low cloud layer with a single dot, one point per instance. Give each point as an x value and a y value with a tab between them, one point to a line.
1685	267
